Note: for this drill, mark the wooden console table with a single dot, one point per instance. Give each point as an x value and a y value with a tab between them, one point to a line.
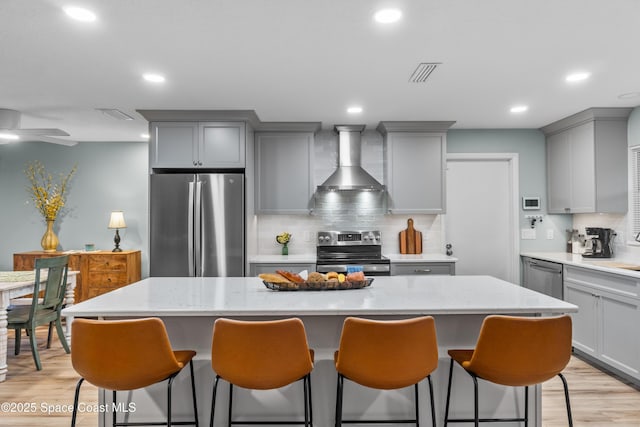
100	271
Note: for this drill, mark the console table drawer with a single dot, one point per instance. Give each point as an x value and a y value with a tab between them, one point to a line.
108	263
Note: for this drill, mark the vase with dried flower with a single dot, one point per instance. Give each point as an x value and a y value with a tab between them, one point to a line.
48	196
284	238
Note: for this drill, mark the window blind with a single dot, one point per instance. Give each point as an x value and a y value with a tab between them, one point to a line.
634	154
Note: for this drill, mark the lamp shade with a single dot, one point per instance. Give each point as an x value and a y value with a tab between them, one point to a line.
117	220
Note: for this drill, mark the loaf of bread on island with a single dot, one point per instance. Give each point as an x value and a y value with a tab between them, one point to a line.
273	278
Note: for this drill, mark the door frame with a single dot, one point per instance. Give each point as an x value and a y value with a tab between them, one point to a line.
514	189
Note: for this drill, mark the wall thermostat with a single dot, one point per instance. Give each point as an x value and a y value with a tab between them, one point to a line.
531	203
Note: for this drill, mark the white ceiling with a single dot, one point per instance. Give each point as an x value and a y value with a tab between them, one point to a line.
303	60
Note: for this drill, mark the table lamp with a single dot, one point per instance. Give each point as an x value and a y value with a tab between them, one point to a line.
117	221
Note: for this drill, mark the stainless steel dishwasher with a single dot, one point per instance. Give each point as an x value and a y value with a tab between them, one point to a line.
543	276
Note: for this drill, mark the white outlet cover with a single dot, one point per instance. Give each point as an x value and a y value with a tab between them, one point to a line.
550	234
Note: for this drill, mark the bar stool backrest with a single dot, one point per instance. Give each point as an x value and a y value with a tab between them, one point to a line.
387	354
520	351
122	354
260	355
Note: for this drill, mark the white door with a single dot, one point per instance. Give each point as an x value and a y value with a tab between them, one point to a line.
481	222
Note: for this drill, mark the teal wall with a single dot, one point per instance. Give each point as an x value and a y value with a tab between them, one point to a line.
529	144
111	176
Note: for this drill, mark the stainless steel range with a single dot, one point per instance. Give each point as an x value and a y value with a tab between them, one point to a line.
338	249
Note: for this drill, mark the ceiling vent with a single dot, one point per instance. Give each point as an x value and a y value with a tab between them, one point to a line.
115	113
423	71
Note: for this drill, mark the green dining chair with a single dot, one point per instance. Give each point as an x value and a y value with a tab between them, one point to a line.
44	308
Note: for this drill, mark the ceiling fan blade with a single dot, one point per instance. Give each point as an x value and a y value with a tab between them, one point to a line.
66	142
31	132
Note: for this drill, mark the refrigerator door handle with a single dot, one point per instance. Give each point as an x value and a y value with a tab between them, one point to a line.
198	228
190	234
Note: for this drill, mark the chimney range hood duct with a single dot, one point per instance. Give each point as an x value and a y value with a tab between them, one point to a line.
349	175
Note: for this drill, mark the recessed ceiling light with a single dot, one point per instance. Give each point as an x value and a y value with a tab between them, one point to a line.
80	14
387	16
144	135
629	95
354	110
153	78
577	77
519	109
9	136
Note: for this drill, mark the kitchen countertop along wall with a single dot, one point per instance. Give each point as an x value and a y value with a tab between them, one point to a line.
600	264
311	258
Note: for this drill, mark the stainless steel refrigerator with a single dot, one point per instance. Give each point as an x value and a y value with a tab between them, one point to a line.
197	225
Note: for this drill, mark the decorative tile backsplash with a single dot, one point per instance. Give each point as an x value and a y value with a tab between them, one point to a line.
617	222
304	229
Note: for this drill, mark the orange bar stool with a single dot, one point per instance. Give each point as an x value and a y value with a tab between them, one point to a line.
261	355
515	351
127	355
386	355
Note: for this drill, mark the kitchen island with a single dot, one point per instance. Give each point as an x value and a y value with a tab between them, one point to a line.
189	306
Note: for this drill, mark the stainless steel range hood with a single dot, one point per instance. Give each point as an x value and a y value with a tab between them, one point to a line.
349	175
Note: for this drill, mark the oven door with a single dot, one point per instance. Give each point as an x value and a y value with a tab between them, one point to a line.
368	269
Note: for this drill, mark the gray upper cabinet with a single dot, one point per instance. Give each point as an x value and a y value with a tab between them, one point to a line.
284	169
173	144
587	162
415	162
197	144
221	145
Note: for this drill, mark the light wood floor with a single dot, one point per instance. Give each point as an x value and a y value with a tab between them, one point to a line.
597	399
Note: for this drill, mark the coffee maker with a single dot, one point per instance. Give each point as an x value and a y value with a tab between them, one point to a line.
599	242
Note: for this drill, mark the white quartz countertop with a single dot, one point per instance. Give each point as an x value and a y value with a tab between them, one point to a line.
420	258
283	259
247	296
311	258
600	264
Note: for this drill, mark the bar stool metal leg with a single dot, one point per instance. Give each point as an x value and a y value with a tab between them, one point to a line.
213	400
415	393
446	411
433	405
193	393
339	386
526	406
310	402
76	398
566	399
230	404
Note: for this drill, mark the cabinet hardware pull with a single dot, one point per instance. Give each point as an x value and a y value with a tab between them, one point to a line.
419	270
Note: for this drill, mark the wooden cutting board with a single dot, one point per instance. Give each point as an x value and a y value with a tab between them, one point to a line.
621	265
410	239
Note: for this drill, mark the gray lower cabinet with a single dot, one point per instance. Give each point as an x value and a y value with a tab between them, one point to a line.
415	164
256	268
586	162
422	268
284	172
605	327
191	145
